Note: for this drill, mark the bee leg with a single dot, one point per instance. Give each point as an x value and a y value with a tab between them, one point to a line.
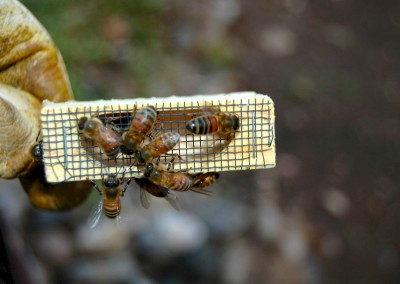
153	134
227	137
174	156
134	109
139	167
210	108
179	157
223	143
201	191
187	170
169	166
110	124
171	163
108	121
95	186
126	186
158	160
123	175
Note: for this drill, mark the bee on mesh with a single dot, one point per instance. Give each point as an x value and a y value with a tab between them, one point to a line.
106	138
37	150
178	181
214	121
160	145
134	139
141	125
111	190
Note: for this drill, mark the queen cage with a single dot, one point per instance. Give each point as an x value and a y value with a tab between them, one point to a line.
69	156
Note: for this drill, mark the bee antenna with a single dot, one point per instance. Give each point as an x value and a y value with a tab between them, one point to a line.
37	137
202	191
119	171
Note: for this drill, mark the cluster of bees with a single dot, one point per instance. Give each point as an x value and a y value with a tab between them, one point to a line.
157	180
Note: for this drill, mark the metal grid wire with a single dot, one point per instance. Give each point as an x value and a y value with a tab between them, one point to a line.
69	156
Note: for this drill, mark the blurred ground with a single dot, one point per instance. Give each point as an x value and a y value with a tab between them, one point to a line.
329	212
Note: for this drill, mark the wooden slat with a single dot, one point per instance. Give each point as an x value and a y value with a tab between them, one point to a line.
70	157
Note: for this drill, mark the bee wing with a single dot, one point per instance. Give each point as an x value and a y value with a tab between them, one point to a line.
95	215
172	199
118	220
209	107
220	144
206	108
144	198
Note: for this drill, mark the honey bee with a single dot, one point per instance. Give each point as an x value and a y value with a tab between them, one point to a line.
146	186
202	180
178	181
214	122
111	192
158	146
141	123
93	128
37	150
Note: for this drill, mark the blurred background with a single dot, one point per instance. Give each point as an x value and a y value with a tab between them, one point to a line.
328	213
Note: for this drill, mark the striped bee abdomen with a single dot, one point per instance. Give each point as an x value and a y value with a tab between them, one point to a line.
205	124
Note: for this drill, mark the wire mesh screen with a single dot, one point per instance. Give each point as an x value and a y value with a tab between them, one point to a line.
70	156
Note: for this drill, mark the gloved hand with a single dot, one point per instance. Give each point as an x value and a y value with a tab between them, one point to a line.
31	70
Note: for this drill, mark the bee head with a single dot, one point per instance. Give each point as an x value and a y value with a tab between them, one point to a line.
236	122
37	151
111	181
149	168
81	122
125	150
